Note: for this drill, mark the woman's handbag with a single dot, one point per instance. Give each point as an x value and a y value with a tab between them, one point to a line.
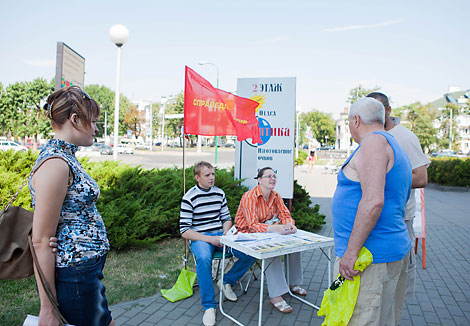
16	223
16	248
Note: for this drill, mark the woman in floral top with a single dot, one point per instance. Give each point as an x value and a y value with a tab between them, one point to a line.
64	198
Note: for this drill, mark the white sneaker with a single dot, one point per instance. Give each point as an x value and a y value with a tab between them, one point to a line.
209	317
228	292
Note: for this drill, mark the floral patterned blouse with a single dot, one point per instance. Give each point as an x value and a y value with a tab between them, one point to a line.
81	233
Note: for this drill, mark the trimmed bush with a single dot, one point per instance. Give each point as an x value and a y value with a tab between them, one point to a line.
301	159
14	168
141	206
306	217
450	171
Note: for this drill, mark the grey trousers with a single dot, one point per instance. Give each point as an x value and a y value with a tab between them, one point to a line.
275	276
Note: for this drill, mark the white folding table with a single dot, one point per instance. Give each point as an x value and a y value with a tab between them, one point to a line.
268	245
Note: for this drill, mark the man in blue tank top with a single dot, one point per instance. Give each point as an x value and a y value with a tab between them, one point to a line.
368	209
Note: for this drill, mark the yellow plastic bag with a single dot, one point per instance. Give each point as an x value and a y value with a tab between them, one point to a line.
183	287
340	298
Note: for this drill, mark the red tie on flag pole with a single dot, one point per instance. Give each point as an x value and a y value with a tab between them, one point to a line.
209	111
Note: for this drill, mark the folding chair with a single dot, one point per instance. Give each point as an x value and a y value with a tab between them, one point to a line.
217	256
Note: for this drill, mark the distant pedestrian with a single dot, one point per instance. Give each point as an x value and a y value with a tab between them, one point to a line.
311	160
368	209
419	164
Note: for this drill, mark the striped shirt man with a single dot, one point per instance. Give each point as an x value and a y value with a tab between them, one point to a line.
203	210
254	211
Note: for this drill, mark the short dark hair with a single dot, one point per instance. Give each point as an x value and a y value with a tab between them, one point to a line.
381	97
199	165
261	171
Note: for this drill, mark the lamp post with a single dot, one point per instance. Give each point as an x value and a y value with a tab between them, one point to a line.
202	63
162	112
119	35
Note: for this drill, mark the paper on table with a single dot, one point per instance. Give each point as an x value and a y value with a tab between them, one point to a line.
250	236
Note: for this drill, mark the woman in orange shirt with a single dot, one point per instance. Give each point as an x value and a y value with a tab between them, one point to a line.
263	210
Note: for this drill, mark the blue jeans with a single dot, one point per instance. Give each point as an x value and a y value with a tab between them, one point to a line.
81	295
203	252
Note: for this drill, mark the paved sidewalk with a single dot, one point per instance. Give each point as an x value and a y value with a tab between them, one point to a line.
443	288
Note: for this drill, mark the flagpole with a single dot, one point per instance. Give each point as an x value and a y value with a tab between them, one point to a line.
184	190
217	69
216	137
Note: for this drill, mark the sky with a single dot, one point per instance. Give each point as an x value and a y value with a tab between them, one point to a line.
412	50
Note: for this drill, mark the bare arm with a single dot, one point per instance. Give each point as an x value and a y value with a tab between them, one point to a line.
196	236
50	184
227	225
419	177
371	162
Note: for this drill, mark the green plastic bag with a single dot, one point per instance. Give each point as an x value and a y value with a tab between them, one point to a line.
340	298
183	287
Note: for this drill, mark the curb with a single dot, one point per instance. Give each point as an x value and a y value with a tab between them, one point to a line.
448	188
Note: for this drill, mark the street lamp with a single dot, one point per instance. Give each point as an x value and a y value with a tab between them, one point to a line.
202	63
162	112
119	36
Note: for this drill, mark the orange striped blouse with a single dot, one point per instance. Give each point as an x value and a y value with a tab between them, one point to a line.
254	211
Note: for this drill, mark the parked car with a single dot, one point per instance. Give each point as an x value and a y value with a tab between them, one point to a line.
327	148
125	149
102	148
443	153
6	145
29	145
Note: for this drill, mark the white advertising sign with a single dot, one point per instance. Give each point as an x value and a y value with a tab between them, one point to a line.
276	116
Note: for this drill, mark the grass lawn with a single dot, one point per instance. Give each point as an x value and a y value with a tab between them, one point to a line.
128	275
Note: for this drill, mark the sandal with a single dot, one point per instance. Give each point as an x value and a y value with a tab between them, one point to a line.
299	291
282	306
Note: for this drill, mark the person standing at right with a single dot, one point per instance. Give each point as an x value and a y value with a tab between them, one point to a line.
368	209
419	164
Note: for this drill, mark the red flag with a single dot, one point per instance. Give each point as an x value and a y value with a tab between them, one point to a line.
210	111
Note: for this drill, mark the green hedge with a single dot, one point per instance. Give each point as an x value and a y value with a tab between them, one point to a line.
450	171
301	159
141	206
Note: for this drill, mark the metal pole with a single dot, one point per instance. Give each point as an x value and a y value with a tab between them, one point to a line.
116	105
450	130
297	135
151	126
163	127
105	127
184	191
216	137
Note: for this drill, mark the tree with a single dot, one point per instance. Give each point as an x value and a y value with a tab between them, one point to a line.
134	119
322	125
20	109
445	120
105	97
359	92
173	126
419	119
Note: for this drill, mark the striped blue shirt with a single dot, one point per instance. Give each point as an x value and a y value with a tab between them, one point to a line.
203	210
